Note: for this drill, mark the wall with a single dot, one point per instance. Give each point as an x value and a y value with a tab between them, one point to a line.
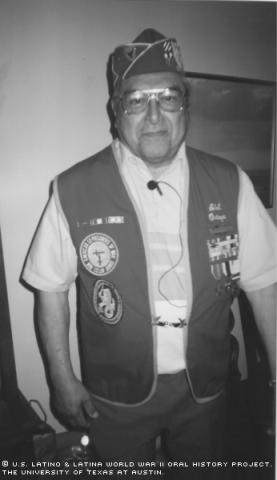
53	94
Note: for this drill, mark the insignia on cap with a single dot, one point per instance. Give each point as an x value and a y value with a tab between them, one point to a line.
130	52
99	254
177	56
107	302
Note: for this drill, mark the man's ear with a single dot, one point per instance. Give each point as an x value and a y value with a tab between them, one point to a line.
113	113
114	105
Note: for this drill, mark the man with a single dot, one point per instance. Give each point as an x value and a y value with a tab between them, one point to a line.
160	237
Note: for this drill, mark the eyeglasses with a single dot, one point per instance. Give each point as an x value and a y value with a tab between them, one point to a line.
169	100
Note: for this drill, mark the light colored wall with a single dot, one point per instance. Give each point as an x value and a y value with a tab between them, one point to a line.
53	94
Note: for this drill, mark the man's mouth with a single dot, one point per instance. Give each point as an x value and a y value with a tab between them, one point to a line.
157	133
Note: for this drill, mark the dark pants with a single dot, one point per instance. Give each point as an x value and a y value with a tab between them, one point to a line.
189	432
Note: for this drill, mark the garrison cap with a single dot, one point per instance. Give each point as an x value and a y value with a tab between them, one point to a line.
150	52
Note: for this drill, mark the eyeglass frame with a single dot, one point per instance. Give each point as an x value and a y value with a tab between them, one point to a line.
152	93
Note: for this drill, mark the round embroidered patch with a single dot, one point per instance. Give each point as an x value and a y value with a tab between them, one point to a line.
99	254
107	302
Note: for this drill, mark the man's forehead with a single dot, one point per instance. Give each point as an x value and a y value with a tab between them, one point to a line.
151	80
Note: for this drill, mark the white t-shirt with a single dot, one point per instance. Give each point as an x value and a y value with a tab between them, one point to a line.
52	261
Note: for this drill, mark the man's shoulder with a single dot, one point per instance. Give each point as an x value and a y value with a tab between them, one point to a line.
213	173
207	159
84	166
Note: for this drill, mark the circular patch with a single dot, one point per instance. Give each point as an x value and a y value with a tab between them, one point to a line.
107	302
99	254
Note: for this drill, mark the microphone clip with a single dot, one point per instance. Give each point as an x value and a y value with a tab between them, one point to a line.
152	185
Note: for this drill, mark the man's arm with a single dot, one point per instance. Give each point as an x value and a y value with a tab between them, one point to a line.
71	400
263	303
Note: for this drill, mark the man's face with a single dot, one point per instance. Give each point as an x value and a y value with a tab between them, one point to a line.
154	134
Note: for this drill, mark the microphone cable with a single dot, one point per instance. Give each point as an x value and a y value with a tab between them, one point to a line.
152	185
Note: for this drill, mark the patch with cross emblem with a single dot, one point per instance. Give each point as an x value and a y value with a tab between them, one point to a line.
107	302
99	254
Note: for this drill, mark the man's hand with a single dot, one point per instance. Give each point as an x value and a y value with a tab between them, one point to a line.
73	404
70	399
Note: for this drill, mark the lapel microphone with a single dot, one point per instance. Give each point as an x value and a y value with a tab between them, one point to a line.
152	184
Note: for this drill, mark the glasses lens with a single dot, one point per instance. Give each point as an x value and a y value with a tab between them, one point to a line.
134	102
171	100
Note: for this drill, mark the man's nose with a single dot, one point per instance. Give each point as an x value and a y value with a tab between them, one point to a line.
153	110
